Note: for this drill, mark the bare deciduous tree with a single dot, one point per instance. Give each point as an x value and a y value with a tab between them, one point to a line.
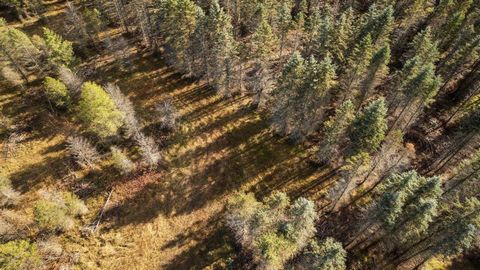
82	151
167	114
148	149
131	124
71	80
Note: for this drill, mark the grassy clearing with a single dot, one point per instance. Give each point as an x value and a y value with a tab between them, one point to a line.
172	218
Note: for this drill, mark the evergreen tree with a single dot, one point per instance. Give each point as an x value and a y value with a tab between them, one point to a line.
464	175
324	36
177	23
369	127
424	48
459	227
57	93
18	49
314	96
286	94
60	52
264	43
358	63
222	50
98	112
284	24
376	72
328	254
378	23
462	52
274	230
343	35
419	91
408	205
334	131
94	22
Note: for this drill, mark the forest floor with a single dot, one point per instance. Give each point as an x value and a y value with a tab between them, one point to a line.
171	218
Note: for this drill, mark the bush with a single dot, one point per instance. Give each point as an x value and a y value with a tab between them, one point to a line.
8	196
19	255
121	162
51	216
13	225
56	211
57	93
75	206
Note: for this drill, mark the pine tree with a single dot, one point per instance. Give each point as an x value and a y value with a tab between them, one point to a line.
358	63
57	93
343	36
264	43
94	22
284	24
222	50
274	230
286	94
60	52
424	48
378	23
177	23
460	225
376	72
324	36
419	91
412	12
369	127
327	254
465	49
334	131
314	96
98	112
422	53
464	175
408	205
18	49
